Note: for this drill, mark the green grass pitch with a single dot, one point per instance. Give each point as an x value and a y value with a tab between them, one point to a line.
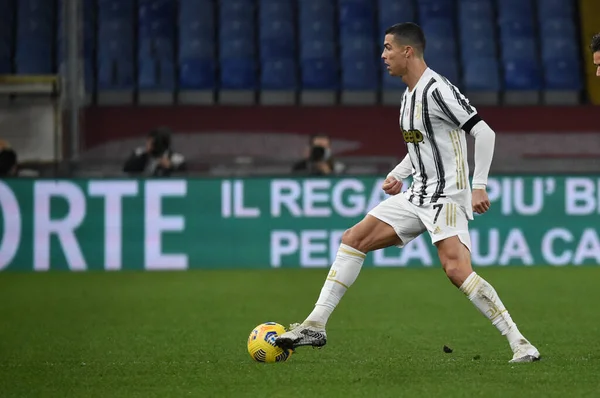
184	335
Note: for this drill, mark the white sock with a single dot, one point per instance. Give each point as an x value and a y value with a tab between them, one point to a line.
485	298
343	273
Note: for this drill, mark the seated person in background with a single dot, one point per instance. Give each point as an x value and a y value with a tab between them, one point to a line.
8	163
318	161
156	158
8	160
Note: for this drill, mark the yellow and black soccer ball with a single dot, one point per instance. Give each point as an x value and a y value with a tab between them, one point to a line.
261	343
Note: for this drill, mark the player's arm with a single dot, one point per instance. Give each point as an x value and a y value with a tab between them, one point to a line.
452	106
393	182
402	170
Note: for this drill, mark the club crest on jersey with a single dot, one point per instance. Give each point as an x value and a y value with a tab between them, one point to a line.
418	110
412	136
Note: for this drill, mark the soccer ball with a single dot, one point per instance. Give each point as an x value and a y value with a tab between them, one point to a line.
261	343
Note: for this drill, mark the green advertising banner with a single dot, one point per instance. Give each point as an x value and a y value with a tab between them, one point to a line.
178	224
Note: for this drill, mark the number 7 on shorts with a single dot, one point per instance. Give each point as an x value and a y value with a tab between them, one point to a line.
439	209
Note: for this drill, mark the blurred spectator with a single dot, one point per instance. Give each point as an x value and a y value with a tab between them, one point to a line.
595	46
8	160
318	160
156	158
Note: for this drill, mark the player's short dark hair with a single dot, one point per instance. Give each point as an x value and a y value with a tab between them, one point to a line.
408	33
595	46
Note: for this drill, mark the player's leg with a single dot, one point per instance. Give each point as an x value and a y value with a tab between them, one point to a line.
389	224
367	235
454	253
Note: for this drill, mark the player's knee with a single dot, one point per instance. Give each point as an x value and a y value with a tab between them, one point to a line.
456	269
452	268
352	238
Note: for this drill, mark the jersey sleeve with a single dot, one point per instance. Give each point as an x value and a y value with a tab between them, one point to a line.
452	106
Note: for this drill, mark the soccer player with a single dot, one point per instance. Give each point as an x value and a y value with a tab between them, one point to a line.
596	52
434	117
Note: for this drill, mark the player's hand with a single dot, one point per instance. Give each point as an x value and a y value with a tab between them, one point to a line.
392	186
481	203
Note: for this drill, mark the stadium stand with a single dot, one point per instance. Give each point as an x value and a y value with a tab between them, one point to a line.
312	51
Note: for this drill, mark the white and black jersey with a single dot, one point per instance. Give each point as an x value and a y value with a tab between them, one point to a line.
434	117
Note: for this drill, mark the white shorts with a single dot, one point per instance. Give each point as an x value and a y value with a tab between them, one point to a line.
442	220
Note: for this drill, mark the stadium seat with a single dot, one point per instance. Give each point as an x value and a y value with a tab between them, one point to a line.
316	20
279	74
430	9
277	40
359	75
475	10
562	74
522	74
33	48
362	26
357	47
276	27
37	28
317	50
439	27
196	8
5	66
273	10
37	9
564	47
519	49
155	74
198	48
392	12
147	73
275	49
5	49
240	47
157	47
477	28
355	8
557	28
238	74
152	10
157	28
320	74
29	63
197	74
477	48
88	77
7	31
481	74
191	29
356	17
232	29
515	10
549	9
115	48
440	45
446	66
317	30
114	29
115	9
315	10
235	9
115	74
510	30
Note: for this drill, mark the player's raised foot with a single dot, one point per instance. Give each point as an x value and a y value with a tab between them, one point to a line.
524	351
302	335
